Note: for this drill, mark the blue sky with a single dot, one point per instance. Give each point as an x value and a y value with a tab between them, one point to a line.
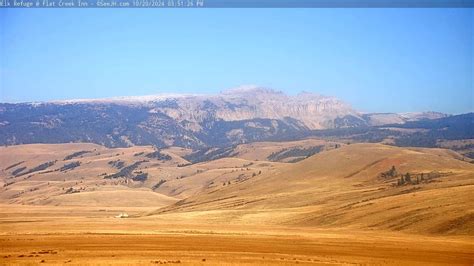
378	60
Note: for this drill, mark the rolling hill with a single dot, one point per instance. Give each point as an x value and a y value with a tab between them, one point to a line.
344	187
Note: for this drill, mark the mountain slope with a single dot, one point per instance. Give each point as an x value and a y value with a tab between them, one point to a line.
190	122
241	115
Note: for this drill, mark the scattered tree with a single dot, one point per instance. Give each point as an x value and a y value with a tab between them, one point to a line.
401	181
390	173
408	177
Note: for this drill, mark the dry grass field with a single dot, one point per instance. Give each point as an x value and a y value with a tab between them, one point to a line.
340	206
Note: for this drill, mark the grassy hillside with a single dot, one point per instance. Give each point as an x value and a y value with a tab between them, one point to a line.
84	174
345	188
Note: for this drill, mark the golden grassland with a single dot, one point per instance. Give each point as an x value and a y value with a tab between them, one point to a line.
330	209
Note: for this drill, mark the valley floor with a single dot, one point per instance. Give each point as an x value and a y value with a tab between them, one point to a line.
86	235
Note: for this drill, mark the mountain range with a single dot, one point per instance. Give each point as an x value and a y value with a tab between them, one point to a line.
241	115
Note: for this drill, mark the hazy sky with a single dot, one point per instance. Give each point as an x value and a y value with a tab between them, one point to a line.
379	60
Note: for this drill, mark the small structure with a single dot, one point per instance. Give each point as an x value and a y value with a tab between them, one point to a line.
122	215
